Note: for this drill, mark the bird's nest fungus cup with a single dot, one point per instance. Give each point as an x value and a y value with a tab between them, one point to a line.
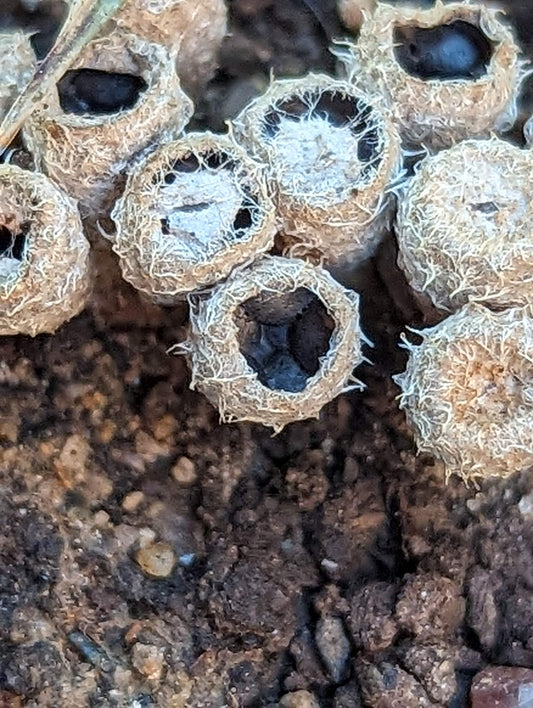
330	153
191	212
120	96
193	30
275	342
44	257
468	391
18	63
464	226
448	72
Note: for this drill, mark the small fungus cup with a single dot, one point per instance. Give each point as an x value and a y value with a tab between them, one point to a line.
275	342
193	30
468	391
17	66
464	226
191	212
449	72
330	154
44	256
121	95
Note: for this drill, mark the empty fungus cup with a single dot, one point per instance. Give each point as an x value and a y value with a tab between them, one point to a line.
44	256
120	96
449	72
330	154
468	391
17	66
193	30
464	226
190	213
275	342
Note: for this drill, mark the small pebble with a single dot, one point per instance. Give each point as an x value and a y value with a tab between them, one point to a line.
184	471
334	647
148	660
156	560
131	501
502	686
299	699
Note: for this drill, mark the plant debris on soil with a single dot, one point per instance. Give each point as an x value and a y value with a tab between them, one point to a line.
152	557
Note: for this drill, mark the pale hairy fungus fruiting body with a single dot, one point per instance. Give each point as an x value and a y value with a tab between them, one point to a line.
352	12
44	256
468	391
192	29
121	95
330	153
275	342
449	72
191	212
464	226
17	66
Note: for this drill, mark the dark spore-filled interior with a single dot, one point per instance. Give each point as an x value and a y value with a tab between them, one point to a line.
458	50
98	92
247	214
282	337
12	245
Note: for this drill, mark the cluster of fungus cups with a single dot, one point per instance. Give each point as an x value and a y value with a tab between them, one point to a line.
190	213
449	72
330	153
275	342
44	256
468	391
464	227
120	96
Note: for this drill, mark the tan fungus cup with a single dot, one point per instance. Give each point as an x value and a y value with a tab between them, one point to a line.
17	66
275	342
191	212
44	256
468	391
432	111
86	154
331	153
193	30
464	226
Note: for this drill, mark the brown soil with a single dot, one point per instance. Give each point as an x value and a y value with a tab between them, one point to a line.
329	558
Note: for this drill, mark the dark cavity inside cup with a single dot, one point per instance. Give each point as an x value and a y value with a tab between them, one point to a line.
248	213
282	337
98	92
339	110
12	245
458	50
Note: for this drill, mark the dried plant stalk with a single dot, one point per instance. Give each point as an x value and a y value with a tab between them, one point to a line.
191	212
193	30
464	226
44	257
18	63
330	154
449	72
468	391
82	141
275	342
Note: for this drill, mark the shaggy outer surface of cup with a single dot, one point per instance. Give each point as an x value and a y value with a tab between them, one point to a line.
223	374
17	66
191	212
432	111
192	29
44	261
86	154
464	226
330	153
468	391
352	12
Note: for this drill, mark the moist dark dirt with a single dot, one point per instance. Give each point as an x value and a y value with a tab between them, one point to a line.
328	560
